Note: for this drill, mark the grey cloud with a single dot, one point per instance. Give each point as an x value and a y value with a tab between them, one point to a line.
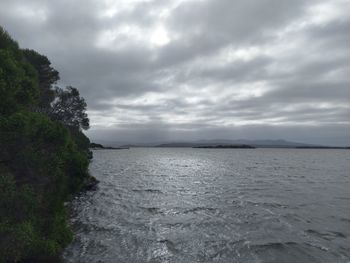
207	26
235	20
306	88
333	34
236	72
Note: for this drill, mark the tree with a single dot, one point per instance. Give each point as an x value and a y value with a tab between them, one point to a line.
47	77
69	108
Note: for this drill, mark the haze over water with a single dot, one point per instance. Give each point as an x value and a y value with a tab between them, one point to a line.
210	205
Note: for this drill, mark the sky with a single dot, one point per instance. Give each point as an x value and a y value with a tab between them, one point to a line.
156	70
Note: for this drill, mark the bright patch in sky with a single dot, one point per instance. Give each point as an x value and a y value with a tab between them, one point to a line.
160	36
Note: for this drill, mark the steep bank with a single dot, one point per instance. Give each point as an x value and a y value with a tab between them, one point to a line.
44	155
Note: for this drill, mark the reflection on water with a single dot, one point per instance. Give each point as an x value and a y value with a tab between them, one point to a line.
210	205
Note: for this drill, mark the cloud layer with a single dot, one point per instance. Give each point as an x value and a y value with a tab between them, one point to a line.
177	69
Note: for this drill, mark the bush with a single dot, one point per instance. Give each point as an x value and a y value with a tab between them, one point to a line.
41	155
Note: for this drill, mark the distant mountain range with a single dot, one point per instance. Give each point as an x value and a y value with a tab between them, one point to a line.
200	143
254	143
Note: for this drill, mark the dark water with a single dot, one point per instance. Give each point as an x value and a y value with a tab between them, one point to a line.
209	205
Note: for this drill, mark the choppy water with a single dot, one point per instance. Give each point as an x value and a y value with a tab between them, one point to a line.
210	205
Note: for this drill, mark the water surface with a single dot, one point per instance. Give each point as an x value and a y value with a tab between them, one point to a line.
214	205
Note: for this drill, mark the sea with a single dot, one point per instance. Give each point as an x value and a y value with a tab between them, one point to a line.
214	205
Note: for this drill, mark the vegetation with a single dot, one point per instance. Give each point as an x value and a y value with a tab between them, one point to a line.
43	155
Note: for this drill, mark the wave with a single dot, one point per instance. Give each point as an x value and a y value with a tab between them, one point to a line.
148	191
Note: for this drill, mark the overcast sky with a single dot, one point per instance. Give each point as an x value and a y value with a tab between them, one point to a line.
198	69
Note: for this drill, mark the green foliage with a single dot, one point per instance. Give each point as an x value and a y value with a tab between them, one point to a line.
16	228
6	42
41	155
43	161
80	139
18	79
69	108
47	77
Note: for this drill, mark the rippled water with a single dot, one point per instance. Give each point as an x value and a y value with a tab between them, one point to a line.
210	205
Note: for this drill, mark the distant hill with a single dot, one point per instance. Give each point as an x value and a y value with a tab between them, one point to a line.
253	143
226	146
97	146
200	143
